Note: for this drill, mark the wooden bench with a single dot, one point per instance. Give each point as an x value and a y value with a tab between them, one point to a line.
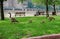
20	13
53	13
39	13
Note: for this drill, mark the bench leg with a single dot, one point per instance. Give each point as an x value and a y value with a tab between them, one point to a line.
15	15
24	14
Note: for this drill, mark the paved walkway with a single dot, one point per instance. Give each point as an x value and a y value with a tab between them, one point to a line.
53	36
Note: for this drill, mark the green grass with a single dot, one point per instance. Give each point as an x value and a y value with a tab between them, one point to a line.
10	30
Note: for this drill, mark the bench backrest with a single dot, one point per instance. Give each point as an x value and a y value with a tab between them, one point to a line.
20	13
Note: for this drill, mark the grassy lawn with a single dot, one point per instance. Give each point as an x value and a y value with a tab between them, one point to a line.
10	30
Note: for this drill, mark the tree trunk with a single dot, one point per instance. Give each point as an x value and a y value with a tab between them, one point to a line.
2	11
47	14
54	10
